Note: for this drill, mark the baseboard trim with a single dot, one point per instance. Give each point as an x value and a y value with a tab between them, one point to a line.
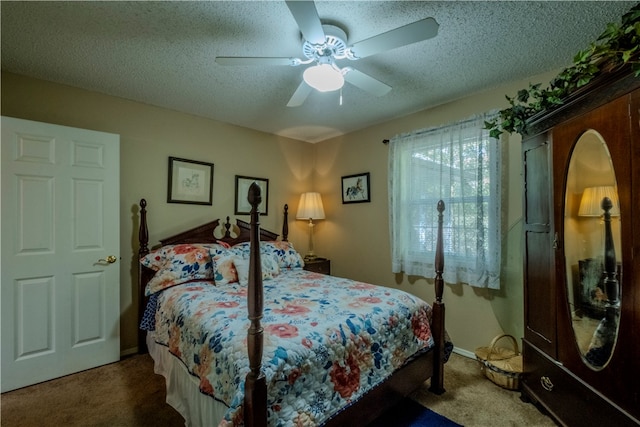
128	352
463	352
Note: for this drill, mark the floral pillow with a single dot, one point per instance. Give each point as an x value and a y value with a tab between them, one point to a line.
224	270
284	253
158	258
175	264
270	268
154	259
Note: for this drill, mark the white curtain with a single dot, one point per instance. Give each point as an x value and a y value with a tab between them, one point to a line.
460	164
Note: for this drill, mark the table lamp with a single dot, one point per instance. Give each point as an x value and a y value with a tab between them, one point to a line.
310	207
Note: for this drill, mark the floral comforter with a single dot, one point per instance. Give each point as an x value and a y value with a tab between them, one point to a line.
327	341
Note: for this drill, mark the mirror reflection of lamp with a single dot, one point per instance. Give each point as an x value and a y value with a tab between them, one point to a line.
590	204
310	207
603	201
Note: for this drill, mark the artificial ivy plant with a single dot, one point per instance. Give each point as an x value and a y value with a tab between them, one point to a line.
617	46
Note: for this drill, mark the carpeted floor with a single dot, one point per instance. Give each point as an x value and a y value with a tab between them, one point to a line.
129	394
123	394
474	401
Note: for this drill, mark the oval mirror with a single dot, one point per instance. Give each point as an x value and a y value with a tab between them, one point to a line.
591	242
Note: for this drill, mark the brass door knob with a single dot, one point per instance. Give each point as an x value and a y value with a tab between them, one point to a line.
110	259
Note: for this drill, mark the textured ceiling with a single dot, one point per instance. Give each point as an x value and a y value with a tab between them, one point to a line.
162	53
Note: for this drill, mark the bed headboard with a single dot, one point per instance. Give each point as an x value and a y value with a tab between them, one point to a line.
205	233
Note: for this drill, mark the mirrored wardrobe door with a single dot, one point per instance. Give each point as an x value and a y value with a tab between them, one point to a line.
591	235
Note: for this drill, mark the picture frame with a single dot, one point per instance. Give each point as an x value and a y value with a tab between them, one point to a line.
190	182
242	206
356	188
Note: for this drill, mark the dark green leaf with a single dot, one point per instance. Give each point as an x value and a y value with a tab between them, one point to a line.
495	133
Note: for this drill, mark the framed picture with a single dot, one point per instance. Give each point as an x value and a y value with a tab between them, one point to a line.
242	190
355	188
190	182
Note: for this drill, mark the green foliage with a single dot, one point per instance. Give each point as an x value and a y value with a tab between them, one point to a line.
617	46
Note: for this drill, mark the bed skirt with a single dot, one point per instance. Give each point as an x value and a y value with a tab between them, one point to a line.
183	392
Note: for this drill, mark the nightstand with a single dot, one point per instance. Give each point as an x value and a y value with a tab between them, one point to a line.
318	265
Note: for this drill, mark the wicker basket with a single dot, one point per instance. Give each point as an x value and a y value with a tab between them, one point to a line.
493	352
503	366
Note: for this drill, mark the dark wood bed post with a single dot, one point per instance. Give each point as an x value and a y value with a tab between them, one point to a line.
437	379
285	224
255	389
143	238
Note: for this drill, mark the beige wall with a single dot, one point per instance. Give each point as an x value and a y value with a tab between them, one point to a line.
148	136
355	237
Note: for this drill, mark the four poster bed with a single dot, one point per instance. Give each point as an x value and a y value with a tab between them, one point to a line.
315	350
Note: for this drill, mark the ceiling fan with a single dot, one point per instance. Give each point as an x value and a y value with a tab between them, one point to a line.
324	44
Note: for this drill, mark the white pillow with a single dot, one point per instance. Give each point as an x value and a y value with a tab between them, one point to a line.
270	268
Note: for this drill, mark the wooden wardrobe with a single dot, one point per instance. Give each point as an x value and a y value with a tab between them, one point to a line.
582	268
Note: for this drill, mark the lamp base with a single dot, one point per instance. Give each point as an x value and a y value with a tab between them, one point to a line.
310	257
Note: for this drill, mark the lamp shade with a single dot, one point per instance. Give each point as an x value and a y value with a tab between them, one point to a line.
310	206
591	202
323	77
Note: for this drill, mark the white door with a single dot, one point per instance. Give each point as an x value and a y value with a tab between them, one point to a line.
59	228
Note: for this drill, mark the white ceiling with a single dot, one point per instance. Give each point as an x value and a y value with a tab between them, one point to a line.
162	53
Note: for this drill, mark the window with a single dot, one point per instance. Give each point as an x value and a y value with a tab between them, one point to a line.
460	164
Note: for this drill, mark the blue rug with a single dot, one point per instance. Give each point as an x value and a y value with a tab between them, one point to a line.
408	413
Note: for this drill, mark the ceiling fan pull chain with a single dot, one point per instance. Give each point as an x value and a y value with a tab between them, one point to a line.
340	96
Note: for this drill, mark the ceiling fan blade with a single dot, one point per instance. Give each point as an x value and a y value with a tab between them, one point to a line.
300	95
306	15
239	60
366	82
402	36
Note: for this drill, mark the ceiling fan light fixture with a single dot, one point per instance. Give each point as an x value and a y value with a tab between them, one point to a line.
323	77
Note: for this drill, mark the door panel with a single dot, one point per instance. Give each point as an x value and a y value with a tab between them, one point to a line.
540	319
88	308
86	203
60	218
34	317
